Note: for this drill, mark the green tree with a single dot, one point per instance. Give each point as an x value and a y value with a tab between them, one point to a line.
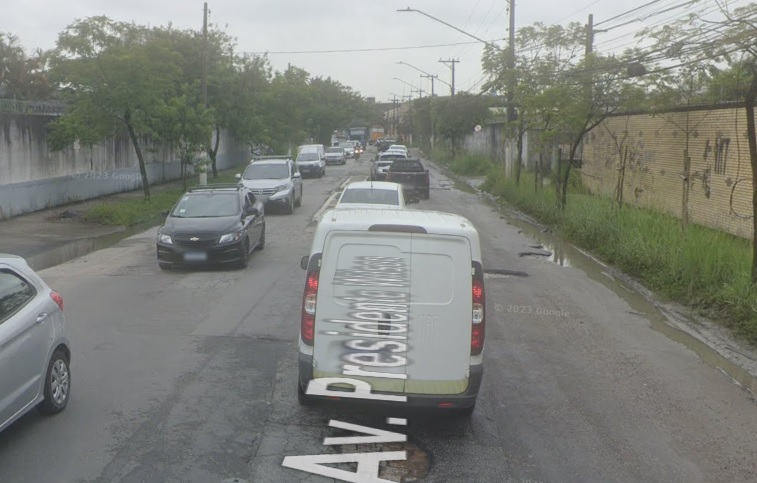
186	124
457	116
22	77
115	76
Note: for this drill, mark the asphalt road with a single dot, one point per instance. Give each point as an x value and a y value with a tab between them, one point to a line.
190	376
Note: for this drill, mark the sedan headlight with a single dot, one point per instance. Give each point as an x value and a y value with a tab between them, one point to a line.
165	239
231	237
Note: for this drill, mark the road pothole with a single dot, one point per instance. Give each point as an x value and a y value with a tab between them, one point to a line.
539	254
502	273
415	467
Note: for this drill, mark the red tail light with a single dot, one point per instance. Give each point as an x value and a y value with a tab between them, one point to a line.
478	330
307	325
57	298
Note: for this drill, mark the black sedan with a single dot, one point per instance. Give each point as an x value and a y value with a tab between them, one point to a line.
214	224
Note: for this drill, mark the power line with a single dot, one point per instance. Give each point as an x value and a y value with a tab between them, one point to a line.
377	49
626	13
578	11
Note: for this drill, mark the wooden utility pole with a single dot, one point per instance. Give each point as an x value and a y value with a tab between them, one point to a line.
451	64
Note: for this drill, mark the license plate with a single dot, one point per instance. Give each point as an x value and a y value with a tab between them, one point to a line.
195	256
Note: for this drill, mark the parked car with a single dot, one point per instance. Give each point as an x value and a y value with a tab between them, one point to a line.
336	155
371	194
395	269
214	224
311	163
382	163
275	181
35	353
412	175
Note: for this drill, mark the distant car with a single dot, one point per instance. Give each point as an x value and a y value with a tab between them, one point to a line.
312	163
383	162
275	181
371	194
349	149
35	354
214	224
399	147
336	155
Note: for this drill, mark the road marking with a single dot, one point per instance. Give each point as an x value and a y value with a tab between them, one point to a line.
326	206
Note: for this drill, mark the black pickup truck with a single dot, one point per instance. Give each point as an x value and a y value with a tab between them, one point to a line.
412	175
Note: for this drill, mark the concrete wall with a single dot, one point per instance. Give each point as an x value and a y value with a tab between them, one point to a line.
32	177
654	175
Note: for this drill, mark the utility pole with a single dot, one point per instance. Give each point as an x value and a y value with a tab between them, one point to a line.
511	65
393	130
204	168
590	35
451	64
205	54
432	77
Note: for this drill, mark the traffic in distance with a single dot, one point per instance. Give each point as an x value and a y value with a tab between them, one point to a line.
366	239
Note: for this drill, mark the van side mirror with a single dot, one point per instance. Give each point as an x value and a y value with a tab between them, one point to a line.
238	176
304	262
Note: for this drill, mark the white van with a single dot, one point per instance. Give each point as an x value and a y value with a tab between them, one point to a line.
311	160
393	298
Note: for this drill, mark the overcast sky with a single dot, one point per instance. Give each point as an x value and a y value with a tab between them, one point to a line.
282	27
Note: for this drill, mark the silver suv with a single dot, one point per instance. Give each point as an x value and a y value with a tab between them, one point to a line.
274	181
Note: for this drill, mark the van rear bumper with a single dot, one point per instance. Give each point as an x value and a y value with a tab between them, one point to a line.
463	400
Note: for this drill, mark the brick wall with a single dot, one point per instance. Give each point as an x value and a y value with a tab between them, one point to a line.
654	150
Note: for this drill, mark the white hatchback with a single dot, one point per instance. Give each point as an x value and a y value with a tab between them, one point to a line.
372	194
35	354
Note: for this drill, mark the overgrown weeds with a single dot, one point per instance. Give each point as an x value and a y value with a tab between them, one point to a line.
703	268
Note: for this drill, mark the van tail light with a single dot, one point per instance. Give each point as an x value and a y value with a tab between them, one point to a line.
478	330
307	324
57	298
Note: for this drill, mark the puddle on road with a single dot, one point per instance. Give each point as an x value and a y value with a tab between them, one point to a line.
79	248
566	255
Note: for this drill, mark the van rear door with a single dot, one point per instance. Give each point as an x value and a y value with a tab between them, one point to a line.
362	310
440	313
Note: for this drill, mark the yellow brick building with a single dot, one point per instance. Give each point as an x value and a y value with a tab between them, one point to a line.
645	155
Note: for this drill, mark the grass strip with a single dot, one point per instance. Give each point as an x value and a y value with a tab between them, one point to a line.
703	268
133	209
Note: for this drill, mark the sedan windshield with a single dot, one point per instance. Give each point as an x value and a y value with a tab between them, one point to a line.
207	205
370	196
266	171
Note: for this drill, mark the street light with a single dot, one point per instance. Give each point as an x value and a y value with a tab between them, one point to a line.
411	86
423	72
408	9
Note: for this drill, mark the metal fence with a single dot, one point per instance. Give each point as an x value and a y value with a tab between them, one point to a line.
45	108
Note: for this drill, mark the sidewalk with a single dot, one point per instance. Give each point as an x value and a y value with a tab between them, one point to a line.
56	235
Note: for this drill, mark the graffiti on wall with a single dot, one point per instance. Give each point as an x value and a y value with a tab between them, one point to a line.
720	150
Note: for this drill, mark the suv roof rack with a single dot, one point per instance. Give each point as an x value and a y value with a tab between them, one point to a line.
216	187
